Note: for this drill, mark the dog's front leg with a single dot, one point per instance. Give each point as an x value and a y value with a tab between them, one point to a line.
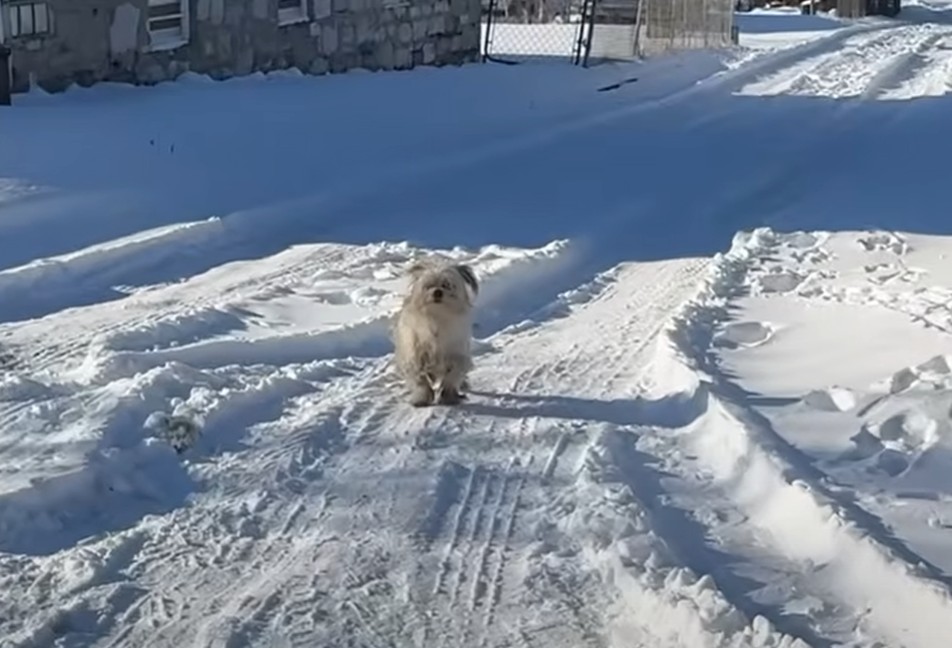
422	393
453	382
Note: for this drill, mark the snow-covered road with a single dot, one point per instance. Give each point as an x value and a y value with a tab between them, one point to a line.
712	385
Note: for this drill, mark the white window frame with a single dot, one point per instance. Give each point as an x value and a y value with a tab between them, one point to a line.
6	23
168	39
297	13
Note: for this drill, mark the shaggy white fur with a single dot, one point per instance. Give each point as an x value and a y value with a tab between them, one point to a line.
433	332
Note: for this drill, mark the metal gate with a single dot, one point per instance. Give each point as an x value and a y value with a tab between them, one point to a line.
589	31
520	31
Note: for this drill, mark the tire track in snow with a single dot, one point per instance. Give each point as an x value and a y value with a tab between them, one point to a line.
481	567
378	580
564	308
301	609
904	69
866	63
596	373
477	543
487	576
501	556
586	628
377	374
473	517
926	73
446	568
394	425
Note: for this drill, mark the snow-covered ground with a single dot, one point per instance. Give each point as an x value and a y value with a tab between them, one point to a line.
711	402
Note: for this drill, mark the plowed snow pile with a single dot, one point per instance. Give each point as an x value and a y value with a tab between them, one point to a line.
823	362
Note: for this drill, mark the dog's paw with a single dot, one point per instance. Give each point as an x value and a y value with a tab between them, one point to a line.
421	397
450	397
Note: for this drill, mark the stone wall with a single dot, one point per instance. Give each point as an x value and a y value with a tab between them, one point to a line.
97	40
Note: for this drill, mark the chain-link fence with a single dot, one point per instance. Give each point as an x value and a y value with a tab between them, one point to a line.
588	31
524	30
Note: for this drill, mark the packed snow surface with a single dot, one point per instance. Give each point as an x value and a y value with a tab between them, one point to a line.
712	396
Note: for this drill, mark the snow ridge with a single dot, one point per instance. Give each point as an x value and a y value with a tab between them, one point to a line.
799	515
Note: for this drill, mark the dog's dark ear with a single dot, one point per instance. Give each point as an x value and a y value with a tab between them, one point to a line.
468	276
416	268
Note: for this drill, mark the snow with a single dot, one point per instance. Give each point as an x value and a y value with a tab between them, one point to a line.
783	26
713	372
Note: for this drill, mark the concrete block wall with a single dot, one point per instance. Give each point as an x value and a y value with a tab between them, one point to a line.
99	40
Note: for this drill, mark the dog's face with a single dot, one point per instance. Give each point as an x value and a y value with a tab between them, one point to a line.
442	287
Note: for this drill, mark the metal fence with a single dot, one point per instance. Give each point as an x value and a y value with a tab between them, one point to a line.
686	24
589	31
525	30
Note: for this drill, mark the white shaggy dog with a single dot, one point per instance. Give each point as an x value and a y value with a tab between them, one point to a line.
433	332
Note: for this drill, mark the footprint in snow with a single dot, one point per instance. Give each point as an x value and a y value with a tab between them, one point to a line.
884	242
833	399
778	281
743	334
936	366
895	444
7	361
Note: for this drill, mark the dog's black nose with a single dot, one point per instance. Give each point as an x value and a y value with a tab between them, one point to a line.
437	294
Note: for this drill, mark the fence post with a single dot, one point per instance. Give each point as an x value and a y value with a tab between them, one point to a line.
685	26
487	40
591	32
704	23
6	83
636	46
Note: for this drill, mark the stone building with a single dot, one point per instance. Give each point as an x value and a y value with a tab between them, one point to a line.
56	43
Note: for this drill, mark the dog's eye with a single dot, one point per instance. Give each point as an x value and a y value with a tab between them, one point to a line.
446	285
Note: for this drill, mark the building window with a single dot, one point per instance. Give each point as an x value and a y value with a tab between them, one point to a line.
29	19
167	23
291	11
